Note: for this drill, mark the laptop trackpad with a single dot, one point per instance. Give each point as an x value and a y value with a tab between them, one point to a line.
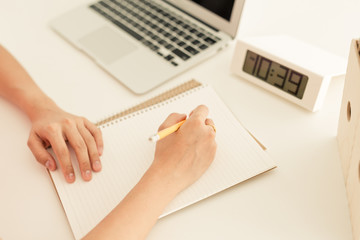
107	45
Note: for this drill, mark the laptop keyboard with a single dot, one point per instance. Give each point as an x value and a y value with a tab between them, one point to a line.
169	35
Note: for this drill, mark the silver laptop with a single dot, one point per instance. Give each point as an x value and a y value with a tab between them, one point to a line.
144	43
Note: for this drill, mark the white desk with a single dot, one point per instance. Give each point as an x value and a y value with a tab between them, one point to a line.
304	198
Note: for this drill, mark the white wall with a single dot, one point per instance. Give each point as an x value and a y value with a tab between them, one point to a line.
330	24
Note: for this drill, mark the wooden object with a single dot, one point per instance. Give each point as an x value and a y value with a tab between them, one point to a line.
349	135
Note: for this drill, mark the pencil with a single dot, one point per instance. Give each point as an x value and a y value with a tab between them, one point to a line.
165	132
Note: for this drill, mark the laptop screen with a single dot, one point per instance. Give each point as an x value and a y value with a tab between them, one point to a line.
222	8
223	15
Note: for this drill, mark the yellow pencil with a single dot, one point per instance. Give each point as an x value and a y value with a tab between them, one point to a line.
165	132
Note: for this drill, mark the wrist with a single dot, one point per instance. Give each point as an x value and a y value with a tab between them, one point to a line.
38	107
32	101
162	182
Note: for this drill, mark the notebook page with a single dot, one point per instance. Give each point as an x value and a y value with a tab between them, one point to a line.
128	153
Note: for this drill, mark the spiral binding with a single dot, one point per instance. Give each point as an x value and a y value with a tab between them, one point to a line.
155	102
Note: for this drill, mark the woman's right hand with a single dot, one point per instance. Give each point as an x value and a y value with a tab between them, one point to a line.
182	157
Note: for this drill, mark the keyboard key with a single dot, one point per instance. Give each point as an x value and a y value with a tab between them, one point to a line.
182	24
200	35
174	39
181	43
191	50
162	42
181	33
174	63
154	47
169	46
193	30
169	57
188	37
150	34
128	30
146	43
181	54
203	47
195	42
186	26
209	40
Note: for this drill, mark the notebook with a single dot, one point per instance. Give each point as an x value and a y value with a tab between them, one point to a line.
143	43
128	153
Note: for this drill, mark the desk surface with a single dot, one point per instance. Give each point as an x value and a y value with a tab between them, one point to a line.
304	198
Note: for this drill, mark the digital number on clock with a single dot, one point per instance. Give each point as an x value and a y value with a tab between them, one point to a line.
275	74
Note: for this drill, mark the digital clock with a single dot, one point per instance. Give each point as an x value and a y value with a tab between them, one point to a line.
294	70
275	74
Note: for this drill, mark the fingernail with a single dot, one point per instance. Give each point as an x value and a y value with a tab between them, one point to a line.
47	164
71	176
97	165
88	173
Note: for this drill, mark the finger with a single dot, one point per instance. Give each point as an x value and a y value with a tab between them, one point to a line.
58	144
78	144
91	147
209	122
36	145
96	133
171	120
191	113
200	113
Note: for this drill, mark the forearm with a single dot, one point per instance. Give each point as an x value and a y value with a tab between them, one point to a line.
134	217
17	86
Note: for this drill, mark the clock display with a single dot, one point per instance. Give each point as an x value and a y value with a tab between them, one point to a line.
275	74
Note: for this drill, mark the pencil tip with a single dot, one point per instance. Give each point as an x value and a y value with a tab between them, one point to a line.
154	138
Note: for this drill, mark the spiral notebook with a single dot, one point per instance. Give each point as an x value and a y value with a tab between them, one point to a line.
128	153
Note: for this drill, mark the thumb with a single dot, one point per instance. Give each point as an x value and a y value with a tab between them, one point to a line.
36	145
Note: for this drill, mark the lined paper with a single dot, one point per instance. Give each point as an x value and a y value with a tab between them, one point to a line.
128	153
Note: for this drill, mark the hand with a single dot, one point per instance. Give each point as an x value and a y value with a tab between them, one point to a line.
183	156
51	126
180	159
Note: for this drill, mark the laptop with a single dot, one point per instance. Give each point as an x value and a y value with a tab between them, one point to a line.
143	43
